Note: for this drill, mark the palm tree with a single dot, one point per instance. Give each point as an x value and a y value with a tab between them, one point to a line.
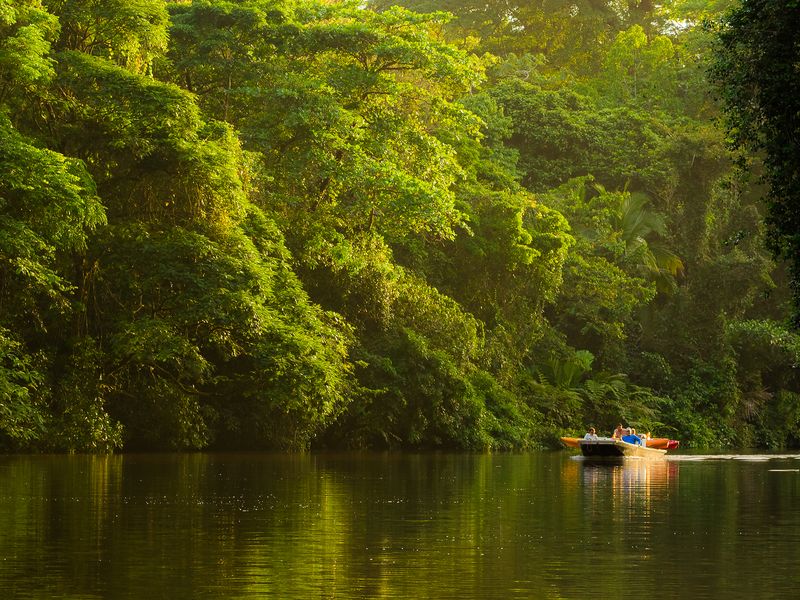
642	231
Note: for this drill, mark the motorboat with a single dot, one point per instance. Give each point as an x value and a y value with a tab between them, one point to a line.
614	448
660	443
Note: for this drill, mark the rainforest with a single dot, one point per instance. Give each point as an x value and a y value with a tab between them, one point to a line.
479	225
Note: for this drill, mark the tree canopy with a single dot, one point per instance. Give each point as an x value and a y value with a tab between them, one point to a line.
300	224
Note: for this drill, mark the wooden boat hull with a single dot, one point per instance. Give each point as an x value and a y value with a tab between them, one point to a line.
660	443
617	449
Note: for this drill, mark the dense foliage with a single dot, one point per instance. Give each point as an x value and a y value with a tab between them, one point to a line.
305	223
757	61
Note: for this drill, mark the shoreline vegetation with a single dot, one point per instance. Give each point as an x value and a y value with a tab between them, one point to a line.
309	224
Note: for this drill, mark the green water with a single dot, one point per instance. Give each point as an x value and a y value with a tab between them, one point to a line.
539	525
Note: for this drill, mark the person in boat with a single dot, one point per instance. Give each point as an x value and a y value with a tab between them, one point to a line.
591	434
618	432
631	437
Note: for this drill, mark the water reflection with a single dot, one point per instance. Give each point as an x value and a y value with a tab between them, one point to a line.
621	507
642	479
538	525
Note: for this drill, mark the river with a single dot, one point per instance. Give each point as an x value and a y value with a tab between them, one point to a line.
397	525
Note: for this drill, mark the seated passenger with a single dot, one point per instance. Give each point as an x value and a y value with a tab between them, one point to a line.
618	432
591	434
631	437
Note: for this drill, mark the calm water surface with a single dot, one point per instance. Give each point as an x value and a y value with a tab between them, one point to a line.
539	525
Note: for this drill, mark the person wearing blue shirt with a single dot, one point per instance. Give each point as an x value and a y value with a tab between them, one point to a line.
632	438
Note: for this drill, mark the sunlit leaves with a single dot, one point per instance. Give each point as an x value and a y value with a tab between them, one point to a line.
444	287
562	133
637	69
344	104
223	329
49	206
145	144
128	114
26	32
130	33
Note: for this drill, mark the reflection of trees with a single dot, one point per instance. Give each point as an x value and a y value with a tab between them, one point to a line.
277	526
52	508
375	525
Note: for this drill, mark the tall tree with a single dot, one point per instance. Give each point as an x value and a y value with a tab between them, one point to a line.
757	69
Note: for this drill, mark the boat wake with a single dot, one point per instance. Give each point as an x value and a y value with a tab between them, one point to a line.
745	457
